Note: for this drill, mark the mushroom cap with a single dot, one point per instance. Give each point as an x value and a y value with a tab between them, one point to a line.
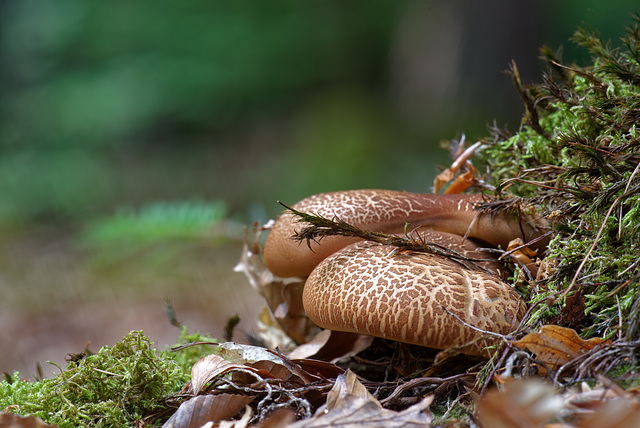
386	211
368	288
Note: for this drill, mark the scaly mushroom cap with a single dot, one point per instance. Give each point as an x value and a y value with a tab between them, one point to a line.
368	288
386	211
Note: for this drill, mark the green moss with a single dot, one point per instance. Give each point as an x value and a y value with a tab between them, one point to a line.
576	157
114	388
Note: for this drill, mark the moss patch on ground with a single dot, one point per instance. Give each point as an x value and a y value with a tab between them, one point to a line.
120	385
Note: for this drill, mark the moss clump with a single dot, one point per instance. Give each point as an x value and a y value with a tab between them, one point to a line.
117	387
576	155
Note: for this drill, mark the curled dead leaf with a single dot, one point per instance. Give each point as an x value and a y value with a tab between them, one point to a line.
199	410
348	385
283	297
210	367
350	405
616	413
309	370
247	354
555	346
11	420
270	331
465	179
329	345
319	369
522	256
522	403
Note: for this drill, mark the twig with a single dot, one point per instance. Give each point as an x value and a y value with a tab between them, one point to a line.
421	381
479	330
320	227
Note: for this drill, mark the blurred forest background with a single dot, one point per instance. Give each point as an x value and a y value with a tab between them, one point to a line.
136	140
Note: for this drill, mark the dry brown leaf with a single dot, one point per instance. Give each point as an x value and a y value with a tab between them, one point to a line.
247	354
206	369
277	371
532	403
356	412
245	358
283	297
280	418
11	420
332	346
210	367
285	301
350	405
523	256
199	410
548	266
586	398
312	347
463	181
306	369
319	369
615	413
555	345
270	332
522	404
441	179
243	422
348	385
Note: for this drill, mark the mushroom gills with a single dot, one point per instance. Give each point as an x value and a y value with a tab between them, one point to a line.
411	297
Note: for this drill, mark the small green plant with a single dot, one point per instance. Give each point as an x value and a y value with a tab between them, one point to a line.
157	223
158	232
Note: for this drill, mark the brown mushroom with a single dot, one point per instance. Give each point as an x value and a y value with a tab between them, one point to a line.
417	298
390	212
412	297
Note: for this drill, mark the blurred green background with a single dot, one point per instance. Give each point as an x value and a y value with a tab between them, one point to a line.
137	138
